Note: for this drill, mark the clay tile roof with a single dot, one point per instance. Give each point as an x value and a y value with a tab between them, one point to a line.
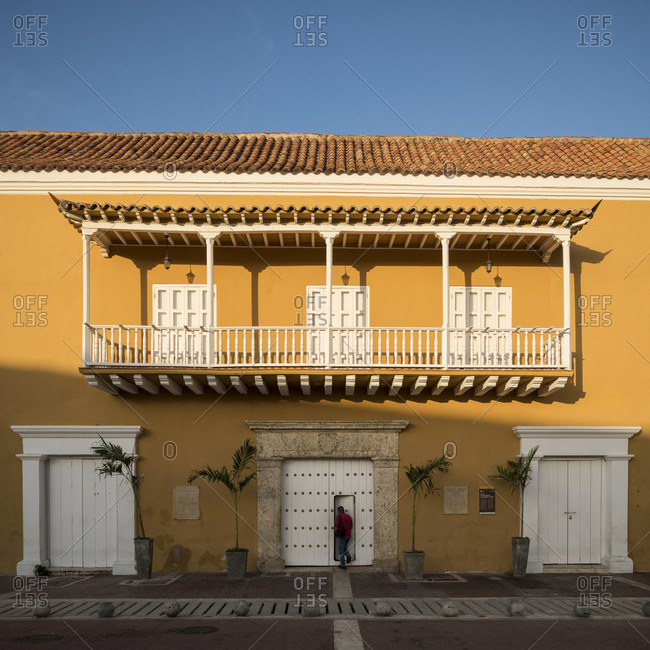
287	153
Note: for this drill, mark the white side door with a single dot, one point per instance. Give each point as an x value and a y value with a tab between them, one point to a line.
177	307
480	308
570	502
350	347
82	513
311	488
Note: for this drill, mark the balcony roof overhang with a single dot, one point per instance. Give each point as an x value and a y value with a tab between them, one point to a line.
289	226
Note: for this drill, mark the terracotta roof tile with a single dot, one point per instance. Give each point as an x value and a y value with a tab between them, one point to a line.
287	153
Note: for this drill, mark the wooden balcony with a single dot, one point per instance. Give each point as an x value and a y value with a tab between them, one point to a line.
133	357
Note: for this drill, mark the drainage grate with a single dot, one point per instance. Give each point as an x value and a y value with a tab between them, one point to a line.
211	610
197	629
39	638
448	576
158	582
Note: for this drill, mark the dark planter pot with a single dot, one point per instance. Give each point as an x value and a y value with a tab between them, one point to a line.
520	547
143	556
236	561
413	565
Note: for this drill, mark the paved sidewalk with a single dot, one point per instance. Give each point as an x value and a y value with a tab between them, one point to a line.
350	594
345	604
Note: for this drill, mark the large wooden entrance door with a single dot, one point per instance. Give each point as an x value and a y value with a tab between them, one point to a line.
83	514
570	511
311	489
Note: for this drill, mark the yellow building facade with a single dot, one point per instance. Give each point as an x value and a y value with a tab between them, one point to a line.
353	328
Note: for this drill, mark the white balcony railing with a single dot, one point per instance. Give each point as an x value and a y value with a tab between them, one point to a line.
305	347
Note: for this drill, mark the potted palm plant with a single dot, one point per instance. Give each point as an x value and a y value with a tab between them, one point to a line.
116	461
235	480
421	484
517	474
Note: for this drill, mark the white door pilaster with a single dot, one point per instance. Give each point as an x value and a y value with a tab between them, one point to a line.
616	551
531	518
34	513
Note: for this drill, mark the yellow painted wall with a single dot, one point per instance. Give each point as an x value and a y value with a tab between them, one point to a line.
40	255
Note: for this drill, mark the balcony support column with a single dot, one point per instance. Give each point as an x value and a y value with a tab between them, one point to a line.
445	239
329	237
85	336
566	283
209	282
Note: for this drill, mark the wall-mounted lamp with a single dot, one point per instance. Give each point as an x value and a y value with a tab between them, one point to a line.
345	278
190	276
488	264
166	261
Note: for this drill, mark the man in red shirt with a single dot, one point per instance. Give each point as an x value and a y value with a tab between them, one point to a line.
343	527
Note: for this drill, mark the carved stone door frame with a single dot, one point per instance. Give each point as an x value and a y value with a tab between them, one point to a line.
278	440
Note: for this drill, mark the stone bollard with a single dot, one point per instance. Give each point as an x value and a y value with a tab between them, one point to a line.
42	611
449	608
311	610
105	610
384	609
645	608
242	608
172	608
582	610
516	608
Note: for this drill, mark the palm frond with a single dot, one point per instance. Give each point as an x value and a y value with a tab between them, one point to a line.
245	481
421	476
112	453
516	473
242	458
212	475
234	480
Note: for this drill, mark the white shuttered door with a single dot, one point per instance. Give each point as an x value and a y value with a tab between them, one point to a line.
480	308
175	307
570	501
309	489
82	514
349	310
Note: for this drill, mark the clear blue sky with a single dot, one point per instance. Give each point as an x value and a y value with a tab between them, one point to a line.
499	68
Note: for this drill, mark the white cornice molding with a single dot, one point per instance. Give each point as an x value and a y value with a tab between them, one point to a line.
372	185
576	432
76	431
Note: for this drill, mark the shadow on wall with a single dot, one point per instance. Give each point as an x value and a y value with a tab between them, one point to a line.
178	559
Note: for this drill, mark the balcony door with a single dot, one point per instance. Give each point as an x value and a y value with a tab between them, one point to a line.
488	312
350	345
179	313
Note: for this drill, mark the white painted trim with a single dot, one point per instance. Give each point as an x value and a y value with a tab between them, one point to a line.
386	185
583	431
41	442
573	442
75	431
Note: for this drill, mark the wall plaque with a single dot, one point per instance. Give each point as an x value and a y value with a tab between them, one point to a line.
186	502
455	500
486	501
